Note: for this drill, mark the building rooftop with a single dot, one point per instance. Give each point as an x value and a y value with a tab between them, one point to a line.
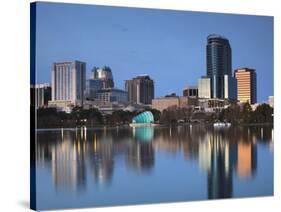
244	69
68	62
211	36
191	87
41	85
143	76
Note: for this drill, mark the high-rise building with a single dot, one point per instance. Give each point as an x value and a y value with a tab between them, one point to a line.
92	87
68	82
190	91
40	95
105	75
204	87
218	65
246	85
140	89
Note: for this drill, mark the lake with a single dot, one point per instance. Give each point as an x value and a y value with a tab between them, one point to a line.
121	166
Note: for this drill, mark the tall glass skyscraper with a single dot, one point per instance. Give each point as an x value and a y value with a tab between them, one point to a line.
219	67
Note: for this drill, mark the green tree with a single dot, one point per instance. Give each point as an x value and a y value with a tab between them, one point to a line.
263	114
156	114
230	114
247	113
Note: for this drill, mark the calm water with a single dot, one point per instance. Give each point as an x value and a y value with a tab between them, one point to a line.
149	165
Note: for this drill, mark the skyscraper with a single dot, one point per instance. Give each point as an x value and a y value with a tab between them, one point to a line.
92	87
68	82
219	67
246	85
105	75
140	90
40	95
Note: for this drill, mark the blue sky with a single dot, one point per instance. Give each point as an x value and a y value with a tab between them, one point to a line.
168	45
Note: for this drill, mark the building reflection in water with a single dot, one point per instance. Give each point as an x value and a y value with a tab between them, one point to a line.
216	156
101	158
140	154
68	163
220	153
247	159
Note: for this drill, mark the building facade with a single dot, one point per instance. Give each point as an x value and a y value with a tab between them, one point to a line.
68	83
213	104
219	65
92	87
112	95
40	95
140	90
103	74
246	85
230	87
190	91
173	102
204	87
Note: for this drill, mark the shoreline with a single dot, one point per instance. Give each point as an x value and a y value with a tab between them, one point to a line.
124	126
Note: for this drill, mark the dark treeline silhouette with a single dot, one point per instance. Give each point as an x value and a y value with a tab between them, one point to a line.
174	115
52	118
245	115
235	114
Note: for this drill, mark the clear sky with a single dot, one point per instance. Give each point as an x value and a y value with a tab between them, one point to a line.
168	45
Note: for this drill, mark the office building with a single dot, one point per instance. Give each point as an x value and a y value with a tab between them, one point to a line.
40	95
140	89
68	83
204	87
103	74
112	95
246	85
92	87
219	65
173	102
190	91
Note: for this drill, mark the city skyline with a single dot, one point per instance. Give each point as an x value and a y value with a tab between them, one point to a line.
140	51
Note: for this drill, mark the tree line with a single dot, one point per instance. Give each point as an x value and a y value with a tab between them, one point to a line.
245	115
52	118
235	114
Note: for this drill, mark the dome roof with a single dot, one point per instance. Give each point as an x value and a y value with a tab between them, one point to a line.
144	117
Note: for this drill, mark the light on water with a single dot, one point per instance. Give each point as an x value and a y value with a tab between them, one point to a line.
174	164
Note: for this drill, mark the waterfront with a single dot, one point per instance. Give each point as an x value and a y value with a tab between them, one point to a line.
119	166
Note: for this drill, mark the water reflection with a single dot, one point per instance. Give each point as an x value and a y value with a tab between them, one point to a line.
76	159
101	160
